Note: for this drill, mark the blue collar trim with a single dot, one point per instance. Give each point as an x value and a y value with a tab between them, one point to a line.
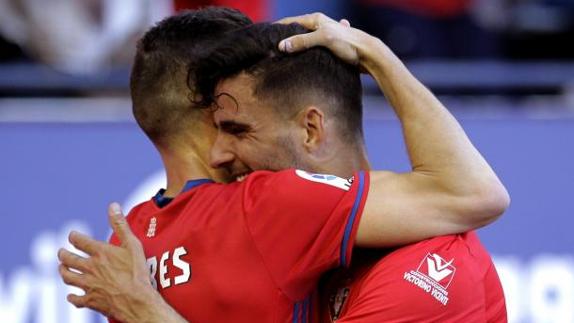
194	183
162	201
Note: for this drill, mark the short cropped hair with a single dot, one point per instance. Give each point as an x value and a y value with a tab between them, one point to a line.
159	88
288	82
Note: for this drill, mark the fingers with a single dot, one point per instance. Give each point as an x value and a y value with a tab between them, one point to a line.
121	227
84	243
71	260
72	278
301	42
310	21
118	222
290	20
319	37
77	300
336	36
86	301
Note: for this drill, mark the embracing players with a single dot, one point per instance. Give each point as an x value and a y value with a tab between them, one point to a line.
254	250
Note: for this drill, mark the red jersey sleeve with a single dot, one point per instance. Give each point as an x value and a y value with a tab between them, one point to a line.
303	224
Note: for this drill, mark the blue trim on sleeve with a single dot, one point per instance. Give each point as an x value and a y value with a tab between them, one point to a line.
296	313
302	309
351	220
306	308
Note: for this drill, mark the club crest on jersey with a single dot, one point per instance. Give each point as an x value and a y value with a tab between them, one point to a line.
344	184
151	228
433	275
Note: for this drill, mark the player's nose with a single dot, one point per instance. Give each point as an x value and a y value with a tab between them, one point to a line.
220	154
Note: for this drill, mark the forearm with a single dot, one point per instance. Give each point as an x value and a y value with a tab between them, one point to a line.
145	306
451	188
158	311
437	145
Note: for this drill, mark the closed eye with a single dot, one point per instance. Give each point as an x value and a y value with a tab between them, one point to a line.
234	128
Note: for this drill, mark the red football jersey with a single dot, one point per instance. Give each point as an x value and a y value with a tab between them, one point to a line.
250	251
445	279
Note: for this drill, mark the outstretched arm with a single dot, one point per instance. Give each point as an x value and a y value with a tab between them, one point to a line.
115	279
451	188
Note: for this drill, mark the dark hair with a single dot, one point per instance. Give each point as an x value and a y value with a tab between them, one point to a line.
160	95
289	82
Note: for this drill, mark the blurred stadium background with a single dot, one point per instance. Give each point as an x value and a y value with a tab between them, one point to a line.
69	145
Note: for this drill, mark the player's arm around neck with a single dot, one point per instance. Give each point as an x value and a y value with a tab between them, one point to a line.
451	188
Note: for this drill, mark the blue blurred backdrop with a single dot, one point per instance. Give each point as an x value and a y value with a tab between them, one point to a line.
69	145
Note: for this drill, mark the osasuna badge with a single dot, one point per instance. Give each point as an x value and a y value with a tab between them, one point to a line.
342	183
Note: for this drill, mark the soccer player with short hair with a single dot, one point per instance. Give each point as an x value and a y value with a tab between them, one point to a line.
448	278
253	250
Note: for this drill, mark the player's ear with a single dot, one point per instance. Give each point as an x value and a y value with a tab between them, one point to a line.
312	120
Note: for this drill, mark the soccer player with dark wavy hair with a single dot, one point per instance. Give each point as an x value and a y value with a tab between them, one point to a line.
254	250
265	95
283	87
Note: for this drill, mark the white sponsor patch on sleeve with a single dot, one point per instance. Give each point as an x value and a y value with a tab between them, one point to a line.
342	183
